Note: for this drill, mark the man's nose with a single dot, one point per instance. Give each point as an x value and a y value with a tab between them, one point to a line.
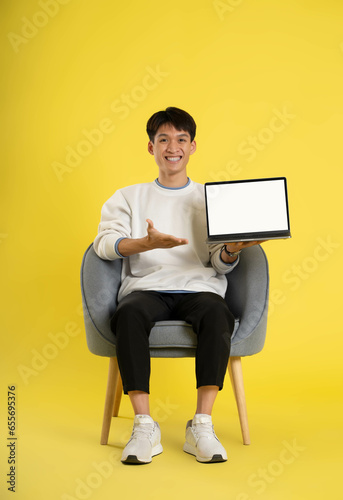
173	146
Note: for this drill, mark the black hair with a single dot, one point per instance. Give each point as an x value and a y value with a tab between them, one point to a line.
176	117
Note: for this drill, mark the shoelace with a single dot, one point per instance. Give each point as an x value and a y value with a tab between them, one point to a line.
143	430
204	430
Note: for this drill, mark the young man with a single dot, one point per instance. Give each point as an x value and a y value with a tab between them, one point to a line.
169	272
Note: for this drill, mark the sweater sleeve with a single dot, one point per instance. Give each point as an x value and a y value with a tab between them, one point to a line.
217	262
115	224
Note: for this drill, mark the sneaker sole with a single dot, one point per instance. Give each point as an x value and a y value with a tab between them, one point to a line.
191	450
133	460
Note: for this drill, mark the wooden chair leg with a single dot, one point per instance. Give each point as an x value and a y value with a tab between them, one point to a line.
236	376
113	381
118	395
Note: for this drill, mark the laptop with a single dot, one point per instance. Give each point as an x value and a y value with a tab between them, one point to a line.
247	210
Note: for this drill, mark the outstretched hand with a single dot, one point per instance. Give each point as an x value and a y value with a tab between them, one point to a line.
161	240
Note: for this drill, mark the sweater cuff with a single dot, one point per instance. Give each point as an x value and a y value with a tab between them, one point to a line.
234	263
225	267
116	247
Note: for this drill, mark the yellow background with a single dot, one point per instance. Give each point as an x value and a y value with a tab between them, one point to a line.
233	64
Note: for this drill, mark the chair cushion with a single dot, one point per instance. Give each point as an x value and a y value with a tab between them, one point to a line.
164	334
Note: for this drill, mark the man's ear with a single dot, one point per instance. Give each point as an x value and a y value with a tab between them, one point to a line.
193	147
151	147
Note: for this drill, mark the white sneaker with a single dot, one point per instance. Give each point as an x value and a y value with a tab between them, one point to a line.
145	441
201	440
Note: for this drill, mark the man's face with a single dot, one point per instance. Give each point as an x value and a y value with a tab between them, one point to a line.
171	149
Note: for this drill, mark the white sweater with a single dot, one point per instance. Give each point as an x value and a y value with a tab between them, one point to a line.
196	267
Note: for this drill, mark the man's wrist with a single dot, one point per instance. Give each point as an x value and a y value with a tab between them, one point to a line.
145	243
132	246
226	258
231	254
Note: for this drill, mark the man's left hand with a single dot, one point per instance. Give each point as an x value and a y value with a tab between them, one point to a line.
236	247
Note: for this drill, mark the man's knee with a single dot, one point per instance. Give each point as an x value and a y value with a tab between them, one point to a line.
214	303
216	310
129	312
131	304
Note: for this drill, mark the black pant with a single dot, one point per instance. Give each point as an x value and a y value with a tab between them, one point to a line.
136	314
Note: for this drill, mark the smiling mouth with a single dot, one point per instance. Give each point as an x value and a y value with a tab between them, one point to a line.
173	159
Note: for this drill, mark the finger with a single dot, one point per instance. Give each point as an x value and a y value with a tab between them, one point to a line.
150	223
234	245
253	243
181	241
247	244
178	241
257	242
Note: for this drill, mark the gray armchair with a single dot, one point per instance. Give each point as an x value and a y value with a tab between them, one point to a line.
247	296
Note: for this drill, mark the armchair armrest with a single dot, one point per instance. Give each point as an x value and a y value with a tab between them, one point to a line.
100	282
247	296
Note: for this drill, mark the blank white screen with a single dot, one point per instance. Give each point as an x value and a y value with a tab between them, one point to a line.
247	207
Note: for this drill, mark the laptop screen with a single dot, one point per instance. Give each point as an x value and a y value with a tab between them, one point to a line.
250	207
